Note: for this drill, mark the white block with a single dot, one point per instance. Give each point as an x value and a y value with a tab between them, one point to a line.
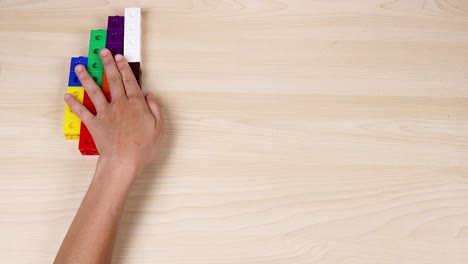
132	34
132	48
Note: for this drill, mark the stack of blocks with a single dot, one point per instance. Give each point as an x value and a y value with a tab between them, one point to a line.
123	36
71	122
132	40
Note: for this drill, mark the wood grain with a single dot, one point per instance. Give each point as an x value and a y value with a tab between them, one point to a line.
298	131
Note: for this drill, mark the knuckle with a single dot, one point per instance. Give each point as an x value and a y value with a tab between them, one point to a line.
114	77
117	104
71	102
122	65
74	107
87	80
128	79
106	61
79	110
94	92
138	100
84	77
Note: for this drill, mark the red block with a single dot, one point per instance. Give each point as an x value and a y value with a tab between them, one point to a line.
86	144
89	104
86	97
84	129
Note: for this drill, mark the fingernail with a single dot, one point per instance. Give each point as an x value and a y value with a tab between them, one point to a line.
118	57
79	68
104	52
67	96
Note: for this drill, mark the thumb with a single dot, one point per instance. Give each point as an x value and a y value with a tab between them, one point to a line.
155	108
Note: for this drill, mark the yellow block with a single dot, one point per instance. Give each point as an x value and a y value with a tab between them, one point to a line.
71	122
71	127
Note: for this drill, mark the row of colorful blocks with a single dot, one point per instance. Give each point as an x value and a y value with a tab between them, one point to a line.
72	125
93	62
114	39
73	128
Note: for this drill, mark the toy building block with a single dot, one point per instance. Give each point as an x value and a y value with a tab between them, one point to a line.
115	48
73	80
89	104
132	40
95	64
123	36
105	88
71	122
135	66
71	127
86	144
76	61
115	23
78	93
132	34
97	77
115	34
97	41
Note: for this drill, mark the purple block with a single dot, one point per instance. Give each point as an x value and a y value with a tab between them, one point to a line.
115	48
115	36
115	22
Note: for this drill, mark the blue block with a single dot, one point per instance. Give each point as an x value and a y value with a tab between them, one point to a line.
73	80
78	60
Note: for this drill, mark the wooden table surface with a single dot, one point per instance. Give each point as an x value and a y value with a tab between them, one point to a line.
299	131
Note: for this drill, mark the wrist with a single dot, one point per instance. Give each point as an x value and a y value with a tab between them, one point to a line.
118	171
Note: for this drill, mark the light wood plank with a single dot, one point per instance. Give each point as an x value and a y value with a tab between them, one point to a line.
298	131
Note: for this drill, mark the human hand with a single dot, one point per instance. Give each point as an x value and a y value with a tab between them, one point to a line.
128	130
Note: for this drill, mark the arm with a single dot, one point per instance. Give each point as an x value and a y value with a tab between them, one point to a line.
127	133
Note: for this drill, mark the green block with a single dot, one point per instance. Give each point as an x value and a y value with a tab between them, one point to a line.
94	50
98	36
95	64
97	42
97	77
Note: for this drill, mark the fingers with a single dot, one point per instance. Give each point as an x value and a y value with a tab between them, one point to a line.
132	88
113	75
91	88
78	109
155	109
